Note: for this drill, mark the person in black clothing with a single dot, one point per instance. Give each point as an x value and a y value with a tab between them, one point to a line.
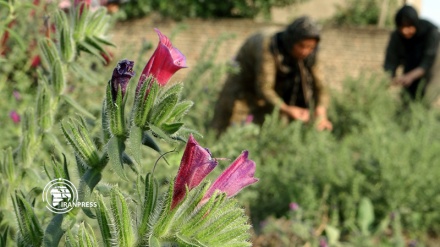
414	45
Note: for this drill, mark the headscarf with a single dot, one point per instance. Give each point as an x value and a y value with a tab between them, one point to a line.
407	16
301	28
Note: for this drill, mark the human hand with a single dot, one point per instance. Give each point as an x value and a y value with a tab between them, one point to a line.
324	124
404	80
299	113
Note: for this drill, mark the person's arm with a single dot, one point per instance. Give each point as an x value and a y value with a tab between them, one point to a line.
323	99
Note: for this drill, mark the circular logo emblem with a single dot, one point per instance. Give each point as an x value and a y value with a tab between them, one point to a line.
61	196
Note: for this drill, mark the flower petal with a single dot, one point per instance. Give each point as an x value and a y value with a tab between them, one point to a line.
237	176
196	164
164	62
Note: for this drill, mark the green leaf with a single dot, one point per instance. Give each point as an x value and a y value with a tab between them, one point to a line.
135	142
86	236
332	234
122	217
149	203
48	51
171	128
78	107
175	88
67	44
8	165
180	110
58	78
28	223
161	111
142	106
79	139
88	182
148	141
160	223
159	133
115	111
115	150
105	222
54	231
365	215
44	111
4	236
154	242
82	20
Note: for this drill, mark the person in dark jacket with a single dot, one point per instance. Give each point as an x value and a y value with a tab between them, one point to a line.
414	44
276	70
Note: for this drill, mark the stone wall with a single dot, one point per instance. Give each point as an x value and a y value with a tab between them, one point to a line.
343	52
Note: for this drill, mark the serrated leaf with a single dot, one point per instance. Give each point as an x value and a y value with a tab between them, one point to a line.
122	217
115	150
86	236
180	110
28	223
173	89
105	222
160	227
161	111
149	203
144	101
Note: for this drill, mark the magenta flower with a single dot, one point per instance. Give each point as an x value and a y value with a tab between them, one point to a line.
293	206
237	176
121	76
196	164
164	62
15	117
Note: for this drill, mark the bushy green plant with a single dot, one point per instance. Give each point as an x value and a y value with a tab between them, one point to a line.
203	9
364	12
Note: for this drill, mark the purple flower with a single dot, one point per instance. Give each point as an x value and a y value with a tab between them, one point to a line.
323	243
122	74
17	95
237	176
164	62
15	117
196	164
293	206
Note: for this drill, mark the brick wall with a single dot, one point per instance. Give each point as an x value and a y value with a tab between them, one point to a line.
343	52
